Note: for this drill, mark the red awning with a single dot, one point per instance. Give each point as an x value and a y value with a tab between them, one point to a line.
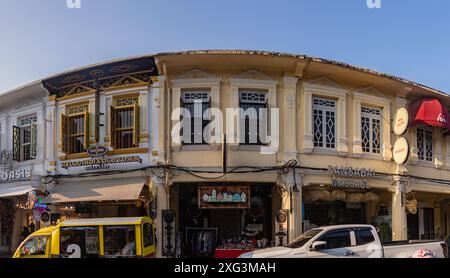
429	112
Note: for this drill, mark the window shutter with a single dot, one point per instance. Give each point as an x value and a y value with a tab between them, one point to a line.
64	131
136	125
33	145
86	130
16	143
113	127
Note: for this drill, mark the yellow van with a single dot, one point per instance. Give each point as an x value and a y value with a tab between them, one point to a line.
92	238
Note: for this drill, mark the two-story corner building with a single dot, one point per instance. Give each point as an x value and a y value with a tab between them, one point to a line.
99	131
334	119
22	161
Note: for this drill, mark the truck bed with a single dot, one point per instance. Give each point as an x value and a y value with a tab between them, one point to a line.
406	248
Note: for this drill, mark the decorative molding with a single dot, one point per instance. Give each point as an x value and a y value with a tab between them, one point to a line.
324	84
253	74
195	74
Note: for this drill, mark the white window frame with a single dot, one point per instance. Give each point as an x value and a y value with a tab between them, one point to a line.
262	99
245	81
371	97
32	119
372	116
324	87
195	79
325	109
425	130
201	96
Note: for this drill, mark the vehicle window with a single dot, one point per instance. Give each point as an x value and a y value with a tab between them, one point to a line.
304	238
147	232
79	242
364	237
35	246
337	239
120	241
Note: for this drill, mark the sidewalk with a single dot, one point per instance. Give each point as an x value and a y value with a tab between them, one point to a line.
5	255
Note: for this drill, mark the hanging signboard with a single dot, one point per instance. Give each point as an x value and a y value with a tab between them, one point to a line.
401	121
210	197
401	151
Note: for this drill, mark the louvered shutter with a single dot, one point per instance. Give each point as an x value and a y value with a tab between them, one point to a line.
136	124
64	133
16	143
86	130
33	145
113	127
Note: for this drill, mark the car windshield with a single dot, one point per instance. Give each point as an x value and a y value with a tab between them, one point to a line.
304	238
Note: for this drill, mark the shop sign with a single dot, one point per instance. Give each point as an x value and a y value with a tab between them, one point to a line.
7	162
401	151
97	150
401	121
349	177
16	175
100	163
411	206
223	197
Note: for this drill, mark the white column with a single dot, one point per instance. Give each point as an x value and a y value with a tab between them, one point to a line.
289	115
342	139
51	123
308	144
357	141
162	203
292	202
399	224
157	117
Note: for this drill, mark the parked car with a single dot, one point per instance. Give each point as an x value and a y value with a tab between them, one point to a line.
92	238
350	241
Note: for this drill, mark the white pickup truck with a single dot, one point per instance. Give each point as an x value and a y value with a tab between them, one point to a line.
350	241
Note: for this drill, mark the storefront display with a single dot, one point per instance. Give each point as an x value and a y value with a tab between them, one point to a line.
239	216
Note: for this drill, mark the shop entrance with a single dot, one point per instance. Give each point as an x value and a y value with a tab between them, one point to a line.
217	220
325	206
334	213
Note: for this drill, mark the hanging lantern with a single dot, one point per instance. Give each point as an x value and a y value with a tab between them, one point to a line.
371	197
338	195
354	198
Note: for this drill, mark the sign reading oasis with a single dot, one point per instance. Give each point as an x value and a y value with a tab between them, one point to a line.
6	162
16	175
349	177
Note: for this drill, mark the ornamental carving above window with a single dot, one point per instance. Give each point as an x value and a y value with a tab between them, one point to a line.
126	101
71	110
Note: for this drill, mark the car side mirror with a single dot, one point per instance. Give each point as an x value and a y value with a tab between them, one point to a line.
318	245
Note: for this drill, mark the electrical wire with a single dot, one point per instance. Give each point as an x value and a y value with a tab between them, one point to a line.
204	174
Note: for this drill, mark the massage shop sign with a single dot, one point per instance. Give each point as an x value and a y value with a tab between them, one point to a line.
99	159
349	177
9	174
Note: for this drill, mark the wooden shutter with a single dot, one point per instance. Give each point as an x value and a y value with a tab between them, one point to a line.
33	145
86	130
16	143
113	127
136	124
64	131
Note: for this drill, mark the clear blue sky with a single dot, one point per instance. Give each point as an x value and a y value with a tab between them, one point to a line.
408	38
